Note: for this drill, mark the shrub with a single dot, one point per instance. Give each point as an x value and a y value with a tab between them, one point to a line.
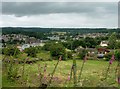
32	51
56	50
82	53
9	51
69	55
108	56
117	54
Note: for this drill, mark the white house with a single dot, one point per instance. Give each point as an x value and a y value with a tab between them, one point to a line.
104	43
25	46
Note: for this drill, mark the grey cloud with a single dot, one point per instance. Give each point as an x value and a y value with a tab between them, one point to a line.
35	8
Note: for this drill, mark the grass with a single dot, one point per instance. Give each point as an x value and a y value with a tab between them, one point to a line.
0	56
44	55
0	74
92	75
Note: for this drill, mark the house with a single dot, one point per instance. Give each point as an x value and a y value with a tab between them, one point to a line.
104	44
91	52
102	52
25	46
54	38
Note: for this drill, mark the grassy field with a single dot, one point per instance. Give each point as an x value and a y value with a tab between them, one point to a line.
92	75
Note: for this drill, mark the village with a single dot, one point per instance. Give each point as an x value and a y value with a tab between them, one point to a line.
60	44
24	41
89	50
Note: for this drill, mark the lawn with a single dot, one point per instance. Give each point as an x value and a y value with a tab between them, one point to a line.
92	75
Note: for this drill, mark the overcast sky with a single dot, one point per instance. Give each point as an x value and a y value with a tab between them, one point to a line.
60	14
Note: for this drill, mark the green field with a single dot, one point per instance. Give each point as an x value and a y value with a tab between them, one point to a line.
92	75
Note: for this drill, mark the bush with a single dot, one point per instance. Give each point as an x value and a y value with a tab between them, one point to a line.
108	56
32	51
56	50
82	53
69	55
10	51
117	55
47	46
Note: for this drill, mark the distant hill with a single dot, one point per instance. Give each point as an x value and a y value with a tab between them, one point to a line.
9	30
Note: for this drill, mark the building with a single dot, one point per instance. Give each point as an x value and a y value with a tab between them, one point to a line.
104	44
54	38
102	52
25	46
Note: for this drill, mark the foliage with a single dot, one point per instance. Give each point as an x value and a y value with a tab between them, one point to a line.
112	41
90	42
82	53
56	50
69	55
117	54
38	48
118	44
87	42
44	55
108	56
99	39
47	46
31	31
32	51
67	44
93	73
12	72
9	51
78	43
15	41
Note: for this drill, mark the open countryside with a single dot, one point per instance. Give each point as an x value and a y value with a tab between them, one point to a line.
73	60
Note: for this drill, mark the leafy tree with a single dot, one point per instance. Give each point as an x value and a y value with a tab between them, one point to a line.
118	44
112	41
74	44
58	49
78	43
99	39
90	42
47	46
67	44
32	51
